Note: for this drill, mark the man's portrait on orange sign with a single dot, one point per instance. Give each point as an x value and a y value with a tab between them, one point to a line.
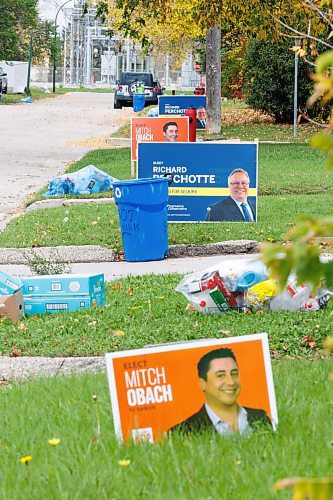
220	381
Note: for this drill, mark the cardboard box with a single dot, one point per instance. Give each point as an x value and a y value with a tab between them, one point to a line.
8	284
12	306
62	284
50	303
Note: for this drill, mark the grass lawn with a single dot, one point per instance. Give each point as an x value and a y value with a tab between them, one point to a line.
85	464
37	94
291	182
148	310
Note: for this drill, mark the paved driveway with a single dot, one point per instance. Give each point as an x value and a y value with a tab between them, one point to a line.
38	140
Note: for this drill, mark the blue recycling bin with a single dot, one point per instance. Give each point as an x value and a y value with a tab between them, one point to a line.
142	208
138	102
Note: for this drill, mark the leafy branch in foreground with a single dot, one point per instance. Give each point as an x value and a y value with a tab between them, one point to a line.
303	256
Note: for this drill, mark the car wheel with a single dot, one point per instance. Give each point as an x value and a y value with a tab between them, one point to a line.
117	104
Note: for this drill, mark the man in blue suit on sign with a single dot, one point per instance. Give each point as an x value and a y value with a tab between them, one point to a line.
237	207
201	118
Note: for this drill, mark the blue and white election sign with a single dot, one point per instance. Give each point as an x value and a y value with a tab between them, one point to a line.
211	181
169	105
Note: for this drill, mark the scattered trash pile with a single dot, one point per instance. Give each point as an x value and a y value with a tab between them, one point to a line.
49	294
87	180
244	285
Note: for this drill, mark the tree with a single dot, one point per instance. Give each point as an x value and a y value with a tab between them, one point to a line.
189	19
17	18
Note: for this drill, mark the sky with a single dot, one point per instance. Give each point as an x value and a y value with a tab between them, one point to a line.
48	9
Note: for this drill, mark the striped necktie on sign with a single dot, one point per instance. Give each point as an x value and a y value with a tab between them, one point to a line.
246	212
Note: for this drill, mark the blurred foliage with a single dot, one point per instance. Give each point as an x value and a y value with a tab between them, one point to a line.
307	489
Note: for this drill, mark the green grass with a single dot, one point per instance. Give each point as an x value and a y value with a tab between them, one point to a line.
85	463
291	182
99	224
155	313
269	132
37	94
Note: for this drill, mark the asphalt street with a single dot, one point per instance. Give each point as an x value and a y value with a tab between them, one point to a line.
39	140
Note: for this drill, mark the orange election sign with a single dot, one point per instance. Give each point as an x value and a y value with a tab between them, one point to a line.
155	388
159	129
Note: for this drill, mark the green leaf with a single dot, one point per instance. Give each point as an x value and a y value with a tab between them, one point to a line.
323	142
324	61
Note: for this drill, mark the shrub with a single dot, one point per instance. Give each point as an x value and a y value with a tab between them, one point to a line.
269	83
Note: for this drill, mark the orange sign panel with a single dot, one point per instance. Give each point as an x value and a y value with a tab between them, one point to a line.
159	129
155	388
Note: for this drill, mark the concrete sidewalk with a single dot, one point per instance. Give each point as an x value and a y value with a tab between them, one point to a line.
95	259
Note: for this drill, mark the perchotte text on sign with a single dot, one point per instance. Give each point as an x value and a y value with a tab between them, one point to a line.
147	386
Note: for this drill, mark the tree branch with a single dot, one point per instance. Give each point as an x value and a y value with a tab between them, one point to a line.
322	15
304	35
307	118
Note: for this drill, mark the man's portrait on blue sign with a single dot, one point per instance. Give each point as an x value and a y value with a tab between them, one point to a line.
212	181
201	118
176	105
236	207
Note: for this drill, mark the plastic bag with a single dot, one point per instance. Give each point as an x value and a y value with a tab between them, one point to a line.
297	297
222	287
87	180
153	113
242	285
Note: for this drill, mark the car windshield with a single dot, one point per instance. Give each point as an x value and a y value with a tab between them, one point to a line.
128	78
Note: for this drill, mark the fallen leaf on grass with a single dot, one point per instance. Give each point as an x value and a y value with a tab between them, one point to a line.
227	333
22	327
117	333
15	353
130	291
116	287
190	307
308	340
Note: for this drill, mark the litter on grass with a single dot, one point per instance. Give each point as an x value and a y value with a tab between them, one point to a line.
87	180
244	285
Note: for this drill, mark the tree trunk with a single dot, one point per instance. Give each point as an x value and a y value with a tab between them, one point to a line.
213	79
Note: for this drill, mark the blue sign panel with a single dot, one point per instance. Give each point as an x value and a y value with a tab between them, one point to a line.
178	104
211	181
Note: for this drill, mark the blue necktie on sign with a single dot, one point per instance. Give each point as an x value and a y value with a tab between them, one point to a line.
246	212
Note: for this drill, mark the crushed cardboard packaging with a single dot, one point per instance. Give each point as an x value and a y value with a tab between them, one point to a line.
62	292
11	306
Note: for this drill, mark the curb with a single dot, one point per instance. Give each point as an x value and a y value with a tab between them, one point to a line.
95	253
22	368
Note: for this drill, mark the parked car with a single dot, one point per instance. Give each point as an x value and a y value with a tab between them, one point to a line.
128	84
3	82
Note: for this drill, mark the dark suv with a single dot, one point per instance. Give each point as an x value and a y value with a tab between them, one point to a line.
128	84
3	82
